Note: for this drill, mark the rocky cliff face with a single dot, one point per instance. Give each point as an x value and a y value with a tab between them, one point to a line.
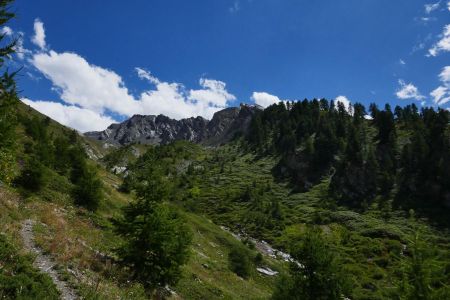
160	129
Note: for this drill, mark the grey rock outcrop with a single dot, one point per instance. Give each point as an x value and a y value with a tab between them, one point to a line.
161	129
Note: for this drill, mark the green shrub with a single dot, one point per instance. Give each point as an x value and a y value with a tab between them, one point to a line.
88	190
239	261
8	167
18	279
33	177
319	274
258	258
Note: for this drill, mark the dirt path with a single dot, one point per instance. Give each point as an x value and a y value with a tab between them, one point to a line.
44	262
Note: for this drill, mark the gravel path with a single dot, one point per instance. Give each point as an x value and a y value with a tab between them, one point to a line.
44	262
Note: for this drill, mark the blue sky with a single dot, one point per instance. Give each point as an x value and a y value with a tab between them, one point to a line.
90	63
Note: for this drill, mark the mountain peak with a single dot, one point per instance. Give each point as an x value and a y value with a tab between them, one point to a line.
160	129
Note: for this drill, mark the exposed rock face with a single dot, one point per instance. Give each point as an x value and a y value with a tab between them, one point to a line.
160	129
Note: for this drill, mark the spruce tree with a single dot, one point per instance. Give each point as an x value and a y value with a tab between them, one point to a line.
156	240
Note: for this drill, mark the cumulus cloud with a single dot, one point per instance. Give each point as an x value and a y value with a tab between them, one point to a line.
98	89
83	84
264	99
213	93
75	117
6	31
430	7
443	45
448	5
347	105
441	95
94	92
344	100
39	34
408	91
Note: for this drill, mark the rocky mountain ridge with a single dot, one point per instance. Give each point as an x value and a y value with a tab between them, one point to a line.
161	129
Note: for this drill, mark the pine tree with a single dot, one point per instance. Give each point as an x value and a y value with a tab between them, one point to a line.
317	276
239	261
386	149
156	240
87	191
354	182
423	277
33	176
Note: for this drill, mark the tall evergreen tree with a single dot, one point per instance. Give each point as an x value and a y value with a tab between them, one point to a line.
156	240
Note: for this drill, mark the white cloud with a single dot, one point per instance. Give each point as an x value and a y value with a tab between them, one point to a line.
83	84
402	62
448	5
264	99
6	31
443	44
344	100
441	95
80	119
444	76
172	100
408	91
21	52
92	91
144	74
19	49
39	34
101	91
430	7
425	20
213	93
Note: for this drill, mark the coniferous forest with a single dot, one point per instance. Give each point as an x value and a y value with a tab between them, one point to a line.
401	154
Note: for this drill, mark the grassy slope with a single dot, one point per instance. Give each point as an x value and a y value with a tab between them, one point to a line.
73	236
370	242
82	242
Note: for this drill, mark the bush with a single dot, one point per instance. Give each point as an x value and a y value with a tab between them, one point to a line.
88	190
240	261
258	258
19	280
33	177
8	168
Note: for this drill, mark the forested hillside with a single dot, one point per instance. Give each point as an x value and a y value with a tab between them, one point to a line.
379	252
401	155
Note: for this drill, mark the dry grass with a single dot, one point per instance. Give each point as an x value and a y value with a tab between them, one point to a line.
11	213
